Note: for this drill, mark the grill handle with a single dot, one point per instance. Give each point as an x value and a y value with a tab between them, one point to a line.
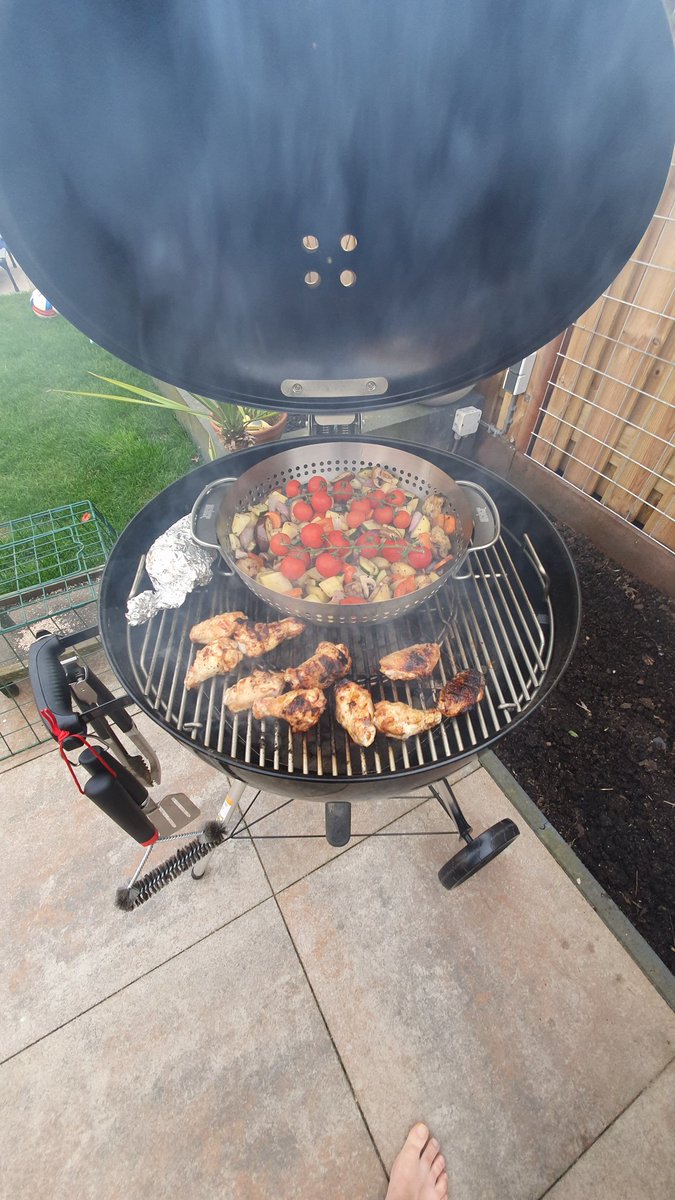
50	685
486	523
205	512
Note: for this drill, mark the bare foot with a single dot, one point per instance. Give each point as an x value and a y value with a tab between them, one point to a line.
418	1172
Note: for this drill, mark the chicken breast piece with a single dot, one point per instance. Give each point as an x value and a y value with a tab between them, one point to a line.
329	662
413	662
401	721
259	685
461	693
301	708
355	712
216	659
220	626
255	638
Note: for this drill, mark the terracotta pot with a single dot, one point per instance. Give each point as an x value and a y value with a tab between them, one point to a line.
260	436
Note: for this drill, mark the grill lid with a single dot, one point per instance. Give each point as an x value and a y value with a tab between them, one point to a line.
336	205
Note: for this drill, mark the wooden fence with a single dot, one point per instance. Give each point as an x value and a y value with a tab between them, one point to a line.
600	409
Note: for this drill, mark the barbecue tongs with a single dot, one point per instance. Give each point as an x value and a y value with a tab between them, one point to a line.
57	680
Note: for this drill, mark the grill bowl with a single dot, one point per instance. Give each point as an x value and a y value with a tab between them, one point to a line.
220	501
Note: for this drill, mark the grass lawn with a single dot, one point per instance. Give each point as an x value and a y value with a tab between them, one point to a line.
55	450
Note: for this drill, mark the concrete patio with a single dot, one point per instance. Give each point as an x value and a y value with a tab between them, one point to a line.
273	1029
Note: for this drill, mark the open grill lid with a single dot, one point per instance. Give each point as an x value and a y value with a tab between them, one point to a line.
480	171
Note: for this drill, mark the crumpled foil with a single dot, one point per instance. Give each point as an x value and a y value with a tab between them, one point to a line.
176	565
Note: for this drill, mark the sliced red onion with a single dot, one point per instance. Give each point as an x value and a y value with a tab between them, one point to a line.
277	505
416	518
262	540
247	536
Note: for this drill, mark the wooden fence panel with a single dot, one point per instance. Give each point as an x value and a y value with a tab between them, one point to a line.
607	420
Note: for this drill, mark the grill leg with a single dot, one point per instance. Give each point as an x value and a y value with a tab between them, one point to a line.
338	822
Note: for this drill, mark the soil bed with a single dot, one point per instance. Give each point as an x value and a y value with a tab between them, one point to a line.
597	756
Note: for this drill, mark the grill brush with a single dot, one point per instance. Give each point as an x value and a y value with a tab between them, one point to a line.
142	888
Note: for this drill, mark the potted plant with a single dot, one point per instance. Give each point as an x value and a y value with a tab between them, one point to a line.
239	426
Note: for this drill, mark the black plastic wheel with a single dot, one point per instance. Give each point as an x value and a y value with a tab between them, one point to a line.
478	853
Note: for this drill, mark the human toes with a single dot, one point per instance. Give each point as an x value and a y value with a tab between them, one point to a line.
429	1153
417	1138
441	1187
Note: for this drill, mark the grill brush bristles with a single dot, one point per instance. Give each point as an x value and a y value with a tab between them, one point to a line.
130	897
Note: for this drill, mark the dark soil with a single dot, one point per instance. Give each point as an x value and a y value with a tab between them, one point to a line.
597	756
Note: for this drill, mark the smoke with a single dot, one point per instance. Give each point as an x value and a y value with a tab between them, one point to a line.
496	160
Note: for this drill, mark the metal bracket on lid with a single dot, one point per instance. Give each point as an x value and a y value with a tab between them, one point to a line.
375	385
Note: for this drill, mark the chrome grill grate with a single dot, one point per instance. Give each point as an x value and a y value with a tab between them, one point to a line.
499	620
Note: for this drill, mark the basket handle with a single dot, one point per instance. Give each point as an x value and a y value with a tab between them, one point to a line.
486	523
205	512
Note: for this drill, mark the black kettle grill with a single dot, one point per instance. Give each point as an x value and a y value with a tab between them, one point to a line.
326	208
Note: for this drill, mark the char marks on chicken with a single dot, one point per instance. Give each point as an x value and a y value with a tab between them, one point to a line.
329	662
259	637
461	693
301	708
413	662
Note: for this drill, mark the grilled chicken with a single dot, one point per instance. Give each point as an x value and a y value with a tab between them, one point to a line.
355	712
301	708
221	626
401	721
460	693
217	659
415	662
258	638
328	663
259	685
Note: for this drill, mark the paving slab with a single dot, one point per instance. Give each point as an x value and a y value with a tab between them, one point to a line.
505	1014
63	943
635	1157
291	857
213	1076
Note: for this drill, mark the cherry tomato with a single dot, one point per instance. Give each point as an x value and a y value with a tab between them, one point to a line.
354	519
384	514
361	504
393	549
419	559
317	484
369	543
294	564
329	563
312	536
293	488
337	539
376	497
350	600
321	501
342	489
280	544
302	511
402	519
396	497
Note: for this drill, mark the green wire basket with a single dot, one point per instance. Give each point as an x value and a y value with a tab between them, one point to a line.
50	562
